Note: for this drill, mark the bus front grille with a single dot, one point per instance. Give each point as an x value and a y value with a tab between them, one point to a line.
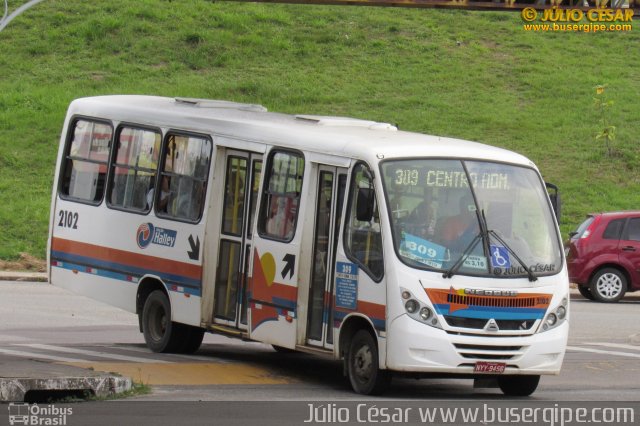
479	324
496	302
489	352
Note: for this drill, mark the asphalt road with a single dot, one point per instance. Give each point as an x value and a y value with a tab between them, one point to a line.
41	323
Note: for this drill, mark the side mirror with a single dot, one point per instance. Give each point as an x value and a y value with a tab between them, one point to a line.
554	196
573	234
364	204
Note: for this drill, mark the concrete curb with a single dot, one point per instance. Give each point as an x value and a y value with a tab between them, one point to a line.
23	276
15	389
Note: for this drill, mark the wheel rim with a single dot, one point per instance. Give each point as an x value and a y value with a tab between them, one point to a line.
609	285
158	323
363	364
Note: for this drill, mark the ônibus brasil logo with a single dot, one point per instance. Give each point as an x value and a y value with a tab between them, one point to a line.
148	234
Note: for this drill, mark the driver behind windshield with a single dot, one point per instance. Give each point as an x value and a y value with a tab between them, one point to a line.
457	231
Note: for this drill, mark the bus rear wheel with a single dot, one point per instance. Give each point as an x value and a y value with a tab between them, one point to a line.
160	333
518	385
191	339
363	369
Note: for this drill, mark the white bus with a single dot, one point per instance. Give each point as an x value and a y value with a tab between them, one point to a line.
397	252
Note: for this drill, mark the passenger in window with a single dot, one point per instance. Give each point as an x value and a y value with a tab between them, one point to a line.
164	195
276	220
181	203
197	201
282	213
291	212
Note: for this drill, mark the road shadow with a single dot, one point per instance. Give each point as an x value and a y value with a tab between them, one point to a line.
328	373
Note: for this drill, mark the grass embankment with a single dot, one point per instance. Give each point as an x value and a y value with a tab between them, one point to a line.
473	75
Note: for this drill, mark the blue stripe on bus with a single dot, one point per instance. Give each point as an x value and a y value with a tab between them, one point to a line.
488	312
284	303
121	272
121	277
378	324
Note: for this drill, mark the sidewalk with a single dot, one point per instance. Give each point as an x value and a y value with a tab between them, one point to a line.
23	276
21	377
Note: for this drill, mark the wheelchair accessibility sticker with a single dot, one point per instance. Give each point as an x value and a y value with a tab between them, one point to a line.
500	257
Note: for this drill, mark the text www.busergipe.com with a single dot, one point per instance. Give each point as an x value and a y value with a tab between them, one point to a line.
587	28
556	415
552	416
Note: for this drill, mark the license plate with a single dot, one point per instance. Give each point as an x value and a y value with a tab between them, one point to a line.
489	367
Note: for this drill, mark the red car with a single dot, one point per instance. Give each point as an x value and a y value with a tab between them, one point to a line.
603	255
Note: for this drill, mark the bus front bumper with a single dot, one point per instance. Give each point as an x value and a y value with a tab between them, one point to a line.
415	347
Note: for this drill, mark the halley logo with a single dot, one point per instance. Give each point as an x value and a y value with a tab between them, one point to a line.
144	234
147	234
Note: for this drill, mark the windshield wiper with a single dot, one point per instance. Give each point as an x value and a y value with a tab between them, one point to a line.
532	277
449	273
486	233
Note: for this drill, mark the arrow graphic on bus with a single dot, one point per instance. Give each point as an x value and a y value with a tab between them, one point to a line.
194	254
290	264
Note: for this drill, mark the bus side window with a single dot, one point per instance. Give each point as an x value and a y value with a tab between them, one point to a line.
185	171
134	170
363	239
85	164
281	198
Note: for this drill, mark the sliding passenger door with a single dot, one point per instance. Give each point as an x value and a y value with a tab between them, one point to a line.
328	208
238	200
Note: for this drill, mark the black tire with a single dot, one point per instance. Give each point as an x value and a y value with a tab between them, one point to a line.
518	385
585	292
608	285
160	333
363	370
191	340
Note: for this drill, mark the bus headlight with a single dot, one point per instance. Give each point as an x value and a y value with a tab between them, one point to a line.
551	320
411	306
556	317
418	311
425	313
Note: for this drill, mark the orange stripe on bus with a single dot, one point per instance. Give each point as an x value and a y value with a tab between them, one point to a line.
372	310
127	258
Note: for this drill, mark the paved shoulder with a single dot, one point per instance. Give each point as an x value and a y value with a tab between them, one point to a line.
23	276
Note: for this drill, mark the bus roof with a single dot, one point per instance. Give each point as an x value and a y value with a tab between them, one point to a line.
344	136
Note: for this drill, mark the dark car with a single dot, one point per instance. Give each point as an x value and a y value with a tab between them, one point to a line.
603	255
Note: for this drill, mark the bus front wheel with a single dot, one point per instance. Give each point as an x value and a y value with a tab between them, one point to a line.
363	369
518	385
160	333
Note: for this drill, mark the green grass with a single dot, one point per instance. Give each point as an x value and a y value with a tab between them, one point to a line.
473	75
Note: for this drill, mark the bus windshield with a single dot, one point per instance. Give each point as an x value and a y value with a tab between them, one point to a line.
471	217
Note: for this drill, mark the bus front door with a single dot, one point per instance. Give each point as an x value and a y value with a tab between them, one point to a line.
241	185
332	182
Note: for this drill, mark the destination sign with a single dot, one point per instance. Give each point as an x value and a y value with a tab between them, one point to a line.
451	179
